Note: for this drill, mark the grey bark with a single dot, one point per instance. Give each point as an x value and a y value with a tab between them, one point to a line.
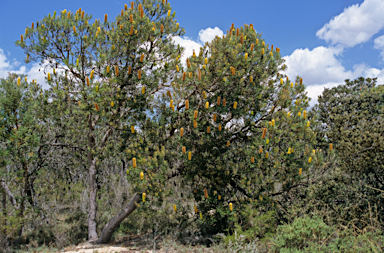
112	225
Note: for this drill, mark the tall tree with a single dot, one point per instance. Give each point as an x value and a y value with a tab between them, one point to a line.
103	77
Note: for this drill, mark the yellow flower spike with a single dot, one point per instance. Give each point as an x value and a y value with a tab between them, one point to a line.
144	195
289	150
304	114
49	76
219	197
82	14
141	175
263	43
184	74
116	71
74	29
219	127
264	133
299	114
204	94
199	77
129	70
301	80
194	54
257	41
25	79
251	79
201	216
208	130
177	26
252	45
262	51
186	104
131	30
105	18
206	61
224	102
205	193
291	85
87	79
273	122
214	117
169	13
134	164
218	100
97	88
308	123
228	142
204	67
19	80
132	129
142	58
288	114
252	159
112	104
310	160
181	132
195	115
184	150
330	146
77	62
314	151
189	155
162	28
260	150
131	18
266	155
300	171
270	53
195	124
190	74
235	105
230	207
195	209
142	90
171	103
91	76
281	81
132	5
139	74
96	106
173	108
267	141
224	79
206	105
177	68
241	39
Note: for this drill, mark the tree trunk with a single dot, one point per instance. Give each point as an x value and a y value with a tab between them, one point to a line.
92	232
111	226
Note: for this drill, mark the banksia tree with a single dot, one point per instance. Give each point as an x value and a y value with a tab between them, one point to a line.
105	50
236	91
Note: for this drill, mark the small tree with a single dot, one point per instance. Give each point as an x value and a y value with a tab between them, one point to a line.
237	128
351	119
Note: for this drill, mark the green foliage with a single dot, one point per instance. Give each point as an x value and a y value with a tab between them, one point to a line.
307	234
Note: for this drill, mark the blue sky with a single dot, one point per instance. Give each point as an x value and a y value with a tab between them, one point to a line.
324	41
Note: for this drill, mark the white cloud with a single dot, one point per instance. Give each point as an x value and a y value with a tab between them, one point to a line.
209	34
7	66
318	66
34	73
379	44
314	91
320	69
355	25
